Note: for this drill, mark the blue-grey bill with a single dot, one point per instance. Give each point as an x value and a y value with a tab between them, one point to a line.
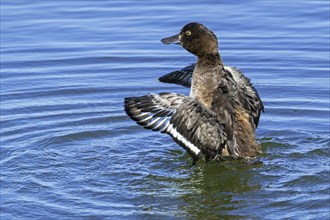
171	40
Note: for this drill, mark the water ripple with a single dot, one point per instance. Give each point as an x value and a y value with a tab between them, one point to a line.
68	148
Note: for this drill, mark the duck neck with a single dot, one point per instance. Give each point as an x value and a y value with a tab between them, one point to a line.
210	59
206	77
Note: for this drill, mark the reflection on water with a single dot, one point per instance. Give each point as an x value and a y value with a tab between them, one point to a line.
214	190
69	151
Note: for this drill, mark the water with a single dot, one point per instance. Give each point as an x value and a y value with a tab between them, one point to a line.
68	151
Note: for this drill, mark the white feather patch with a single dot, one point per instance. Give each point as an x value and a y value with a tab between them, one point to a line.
233	72
171	130
146	119
160	124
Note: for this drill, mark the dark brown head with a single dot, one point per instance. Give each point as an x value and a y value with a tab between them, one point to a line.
196	39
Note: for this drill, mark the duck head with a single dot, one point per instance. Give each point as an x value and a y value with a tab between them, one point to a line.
195	38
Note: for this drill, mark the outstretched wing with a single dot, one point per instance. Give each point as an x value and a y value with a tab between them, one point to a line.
246	93
180	77
192	126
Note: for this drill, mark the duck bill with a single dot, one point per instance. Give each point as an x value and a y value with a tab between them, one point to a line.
175	39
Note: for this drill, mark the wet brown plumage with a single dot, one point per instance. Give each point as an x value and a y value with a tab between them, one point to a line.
221	114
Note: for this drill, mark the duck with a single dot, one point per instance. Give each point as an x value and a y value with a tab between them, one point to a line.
219	118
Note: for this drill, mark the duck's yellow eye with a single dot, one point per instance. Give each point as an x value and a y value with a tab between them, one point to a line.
188	33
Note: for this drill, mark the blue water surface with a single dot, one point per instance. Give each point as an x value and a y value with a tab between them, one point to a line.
68	150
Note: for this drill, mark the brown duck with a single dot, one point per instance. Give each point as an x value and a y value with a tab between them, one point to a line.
219	118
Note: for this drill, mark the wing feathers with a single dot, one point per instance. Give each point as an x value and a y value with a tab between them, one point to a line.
180	77
247	94
183	118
